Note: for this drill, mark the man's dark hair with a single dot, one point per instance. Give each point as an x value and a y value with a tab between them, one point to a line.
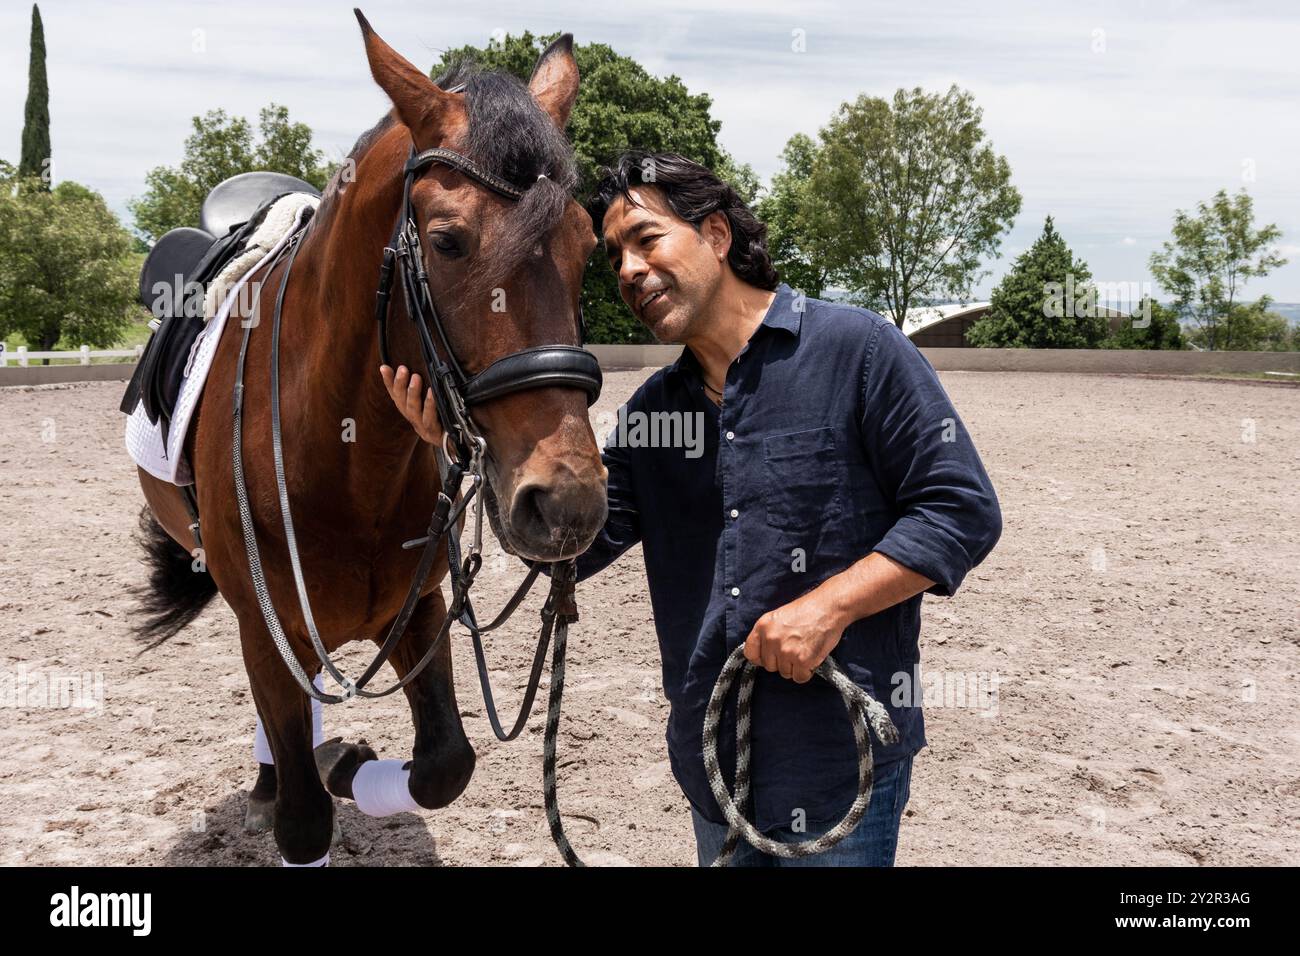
692	192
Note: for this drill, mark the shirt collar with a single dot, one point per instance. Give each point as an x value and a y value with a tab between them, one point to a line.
781	314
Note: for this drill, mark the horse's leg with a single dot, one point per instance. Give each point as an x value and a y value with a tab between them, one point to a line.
260	815
443	758
304	812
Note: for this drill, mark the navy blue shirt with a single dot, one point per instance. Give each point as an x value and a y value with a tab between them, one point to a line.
835	439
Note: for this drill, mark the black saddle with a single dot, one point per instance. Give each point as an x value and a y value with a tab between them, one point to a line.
233	202
175	278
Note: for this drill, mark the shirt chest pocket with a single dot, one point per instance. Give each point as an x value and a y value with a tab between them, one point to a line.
801	478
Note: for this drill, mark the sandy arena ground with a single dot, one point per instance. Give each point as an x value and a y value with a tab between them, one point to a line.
1140	615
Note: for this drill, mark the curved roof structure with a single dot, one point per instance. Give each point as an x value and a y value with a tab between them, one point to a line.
946	325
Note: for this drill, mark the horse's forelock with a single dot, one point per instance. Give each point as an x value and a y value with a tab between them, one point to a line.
515	138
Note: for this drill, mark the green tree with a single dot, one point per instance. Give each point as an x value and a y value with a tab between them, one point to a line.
1210	257
35	157
66	272
619	105
1163	331
1249	327
1046	301
919	198
796	216
222	146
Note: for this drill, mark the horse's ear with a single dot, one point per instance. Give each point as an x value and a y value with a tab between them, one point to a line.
554	83
420	104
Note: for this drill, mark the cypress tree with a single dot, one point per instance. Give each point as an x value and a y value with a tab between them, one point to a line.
1045	301
36	123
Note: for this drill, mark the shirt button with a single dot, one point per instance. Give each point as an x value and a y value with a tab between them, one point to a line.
735	592
730	435
735	513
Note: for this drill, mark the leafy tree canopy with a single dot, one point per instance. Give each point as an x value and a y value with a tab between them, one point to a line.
1249	327
33	163
1153	326
66	272
916	198
222	146
796	216
1210	256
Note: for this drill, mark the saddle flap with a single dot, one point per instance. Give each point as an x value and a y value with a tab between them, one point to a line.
175	254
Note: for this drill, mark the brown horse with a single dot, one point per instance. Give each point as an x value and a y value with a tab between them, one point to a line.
360	480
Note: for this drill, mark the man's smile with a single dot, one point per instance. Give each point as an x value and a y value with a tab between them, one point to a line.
650	298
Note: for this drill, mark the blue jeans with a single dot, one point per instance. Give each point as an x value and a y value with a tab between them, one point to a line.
872	843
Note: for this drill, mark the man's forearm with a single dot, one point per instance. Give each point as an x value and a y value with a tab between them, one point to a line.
868	587
796	637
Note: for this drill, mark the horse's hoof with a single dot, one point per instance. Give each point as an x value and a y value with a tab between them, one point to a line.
260	816
337	762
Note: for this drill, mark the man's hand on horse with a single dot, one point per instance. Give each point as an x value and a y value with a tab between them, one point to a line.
795	638
417	408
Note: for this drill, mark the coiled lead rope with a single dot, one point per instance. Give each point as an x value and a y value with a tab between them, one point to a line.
863	709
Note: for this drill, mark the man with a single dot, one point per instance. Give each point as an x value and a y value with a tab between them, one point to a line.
836	485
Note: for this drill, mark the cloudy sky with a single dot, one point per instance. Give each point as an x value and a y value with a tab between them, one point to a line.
1113	115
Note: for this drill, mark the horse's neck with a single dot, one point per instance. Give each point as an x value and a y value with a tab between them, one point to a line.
331	328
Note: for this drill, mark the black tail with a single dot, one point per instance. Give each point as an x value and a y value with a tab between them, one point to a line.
176	593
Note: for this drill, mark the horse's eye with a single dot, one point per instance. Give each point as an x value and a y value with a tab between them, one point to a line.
444	243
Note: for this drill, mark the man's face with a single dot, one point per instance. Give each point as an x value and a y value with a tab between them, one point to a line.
668	271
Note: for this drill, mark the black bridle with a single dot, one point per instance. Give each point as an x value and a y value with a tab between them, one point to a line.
455	392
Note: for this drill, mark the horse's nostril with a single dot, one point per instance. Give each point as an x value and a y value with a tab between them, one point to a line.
556	518
549	510
527	511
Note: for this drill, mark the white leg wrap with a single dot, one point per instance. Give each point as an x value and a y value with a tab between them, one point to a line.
262	746
323	861
382	788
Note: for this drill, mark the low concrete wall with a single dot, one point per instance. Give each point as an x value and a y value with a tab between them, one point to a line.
51	374
621	357
1096	361
1110	361
625	357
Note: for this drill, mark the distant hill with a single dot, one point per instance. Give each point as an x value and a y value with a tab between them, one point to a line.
1289	309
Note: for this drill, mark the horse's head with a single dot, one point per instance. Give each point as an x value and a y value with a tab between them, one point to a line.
505	275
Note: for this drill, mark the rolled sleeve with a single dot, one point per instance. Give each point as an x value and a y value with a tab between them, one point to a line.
948	513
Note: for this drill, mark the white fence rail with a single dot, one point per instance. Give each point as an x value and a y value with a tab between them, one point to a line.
84	354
